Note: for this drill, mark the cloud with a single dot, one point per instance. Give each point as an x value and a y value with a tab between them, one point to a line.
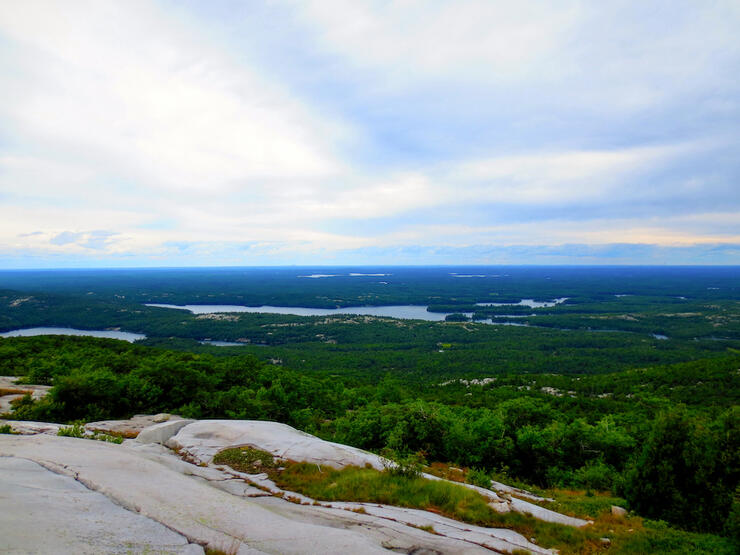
193	132
95	240
128	86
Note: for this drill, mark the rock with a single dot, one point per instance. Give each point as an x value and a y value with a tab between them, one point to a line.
503	488
160	433
213	505
26	427
500	507
43	512
18	391
547	515
215	518
201	440
6	401
619	511
605	541
496	539
130	428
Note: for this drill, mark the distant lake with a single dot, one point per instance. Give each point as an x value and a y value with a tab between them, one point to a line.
406	312
531	303
110	334
221	343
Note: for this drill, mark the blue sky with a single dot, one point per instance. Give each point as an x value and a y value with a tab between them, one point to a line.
320	132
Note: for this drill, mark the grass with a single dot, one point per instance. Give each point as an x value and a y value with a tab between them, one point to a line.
626	535
6	429
78	430
246	459
369	485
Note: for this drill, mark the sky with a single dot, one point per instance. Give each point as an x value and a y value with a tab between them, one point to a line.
189	133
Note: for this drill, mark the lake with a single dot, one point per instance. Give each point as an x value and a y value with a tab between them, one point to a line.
405	312
215	343
531	303
110	334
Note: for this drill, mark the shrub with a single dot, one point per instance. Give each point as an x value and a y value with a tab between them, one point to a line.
75	430
478	477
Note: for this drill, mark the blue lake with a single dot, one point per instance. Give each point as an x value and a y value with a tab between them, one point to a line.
406	312
110	334
531	303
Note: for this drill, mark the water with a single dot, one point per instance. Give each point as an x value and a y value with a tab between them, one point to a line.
531	303
110	334
221	343
405	312
504	323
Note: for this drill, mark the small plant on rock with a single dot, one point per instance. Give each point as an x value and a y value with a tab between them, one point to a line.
246	459
75	430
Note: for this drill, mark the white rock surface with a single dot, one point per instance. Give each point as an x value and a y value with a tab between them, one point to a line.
44	512
204	438
209	516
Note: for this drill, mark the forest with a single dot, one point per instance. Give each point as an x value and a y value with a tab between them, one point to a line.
636	394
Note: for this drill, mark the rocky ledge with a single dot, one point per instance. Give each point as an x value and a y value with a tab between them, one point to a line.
162	493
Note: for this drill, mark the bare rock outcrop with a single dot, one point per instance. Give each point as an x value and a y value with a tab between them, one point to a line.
205	505
67	517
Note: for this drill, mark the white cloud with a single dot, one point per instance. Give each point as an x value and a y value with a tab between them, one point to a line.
619	56
560	177
126	89
442	39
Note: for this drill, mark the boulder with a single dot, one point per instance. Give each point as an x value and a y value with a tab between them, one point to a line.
201	440
619	511
160	433
131	427
547	515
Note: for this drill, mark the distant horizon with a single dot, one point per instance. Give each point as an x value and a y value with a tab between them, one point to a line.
349	266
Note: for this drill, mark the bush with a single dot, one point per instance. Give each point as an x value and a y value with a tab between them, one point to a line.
408	465
478	477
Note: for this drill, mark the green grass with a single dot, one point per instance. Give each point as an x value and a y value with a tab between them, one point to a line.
626	535
369	485
78	430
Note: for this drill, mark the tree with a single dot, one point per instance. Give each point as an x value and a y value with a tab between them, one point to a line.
682	474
